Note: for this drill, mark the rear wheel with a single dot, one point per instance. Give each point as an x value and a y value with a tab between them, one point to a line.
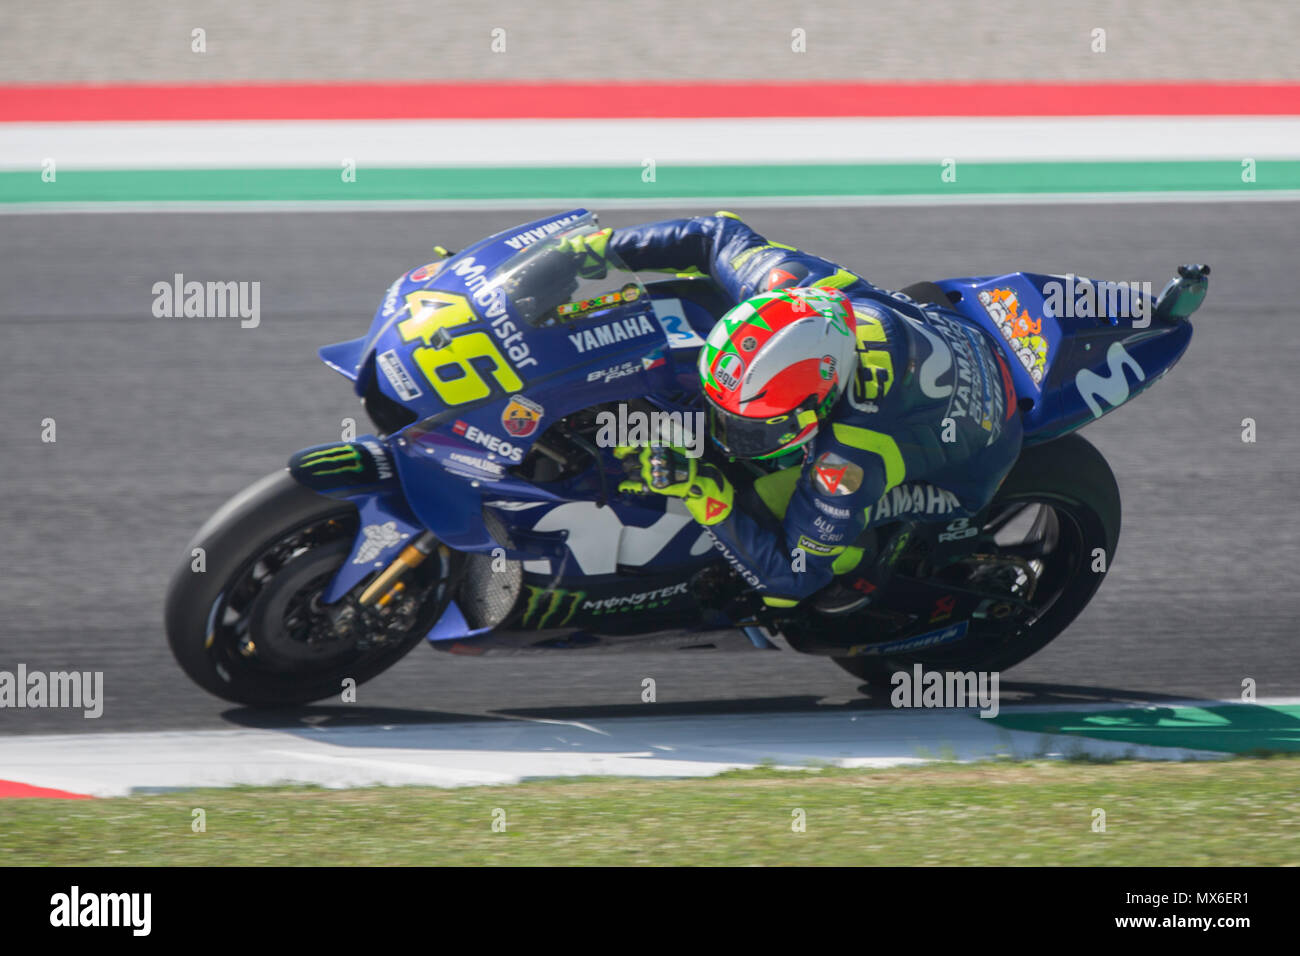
1034	558
251	626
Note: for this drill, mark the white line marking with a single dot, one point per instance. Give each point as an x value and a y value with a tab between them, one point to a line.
628	142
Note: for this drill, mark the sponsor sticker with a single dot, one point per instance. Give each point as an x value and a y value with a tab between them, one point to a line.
943	608
833	475
379	455
491	299
616	372
390	299
1022	332
655	359
813	546
640	600
555	607
958	530
379	538
929	639
521	416
607	301
397	375
480	466
671	317
973	383
1113	385
1008	387
748	576
333	460
611	333
492	443
426	271
521	239
829	509
777	278
914	497
827	530
729	371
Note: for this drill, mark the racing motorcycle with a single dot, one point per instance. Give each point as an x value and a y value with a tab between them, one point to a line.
482	515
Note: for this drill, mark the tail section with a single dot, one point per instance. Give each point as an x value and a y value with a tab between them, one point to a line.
1080	348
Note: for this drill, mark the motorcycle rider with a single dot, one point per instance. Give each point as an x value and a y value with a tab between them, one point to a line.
899	411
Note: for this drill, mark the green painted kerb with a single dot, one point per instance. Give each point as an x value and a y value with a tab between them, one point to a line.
496	183
1228	728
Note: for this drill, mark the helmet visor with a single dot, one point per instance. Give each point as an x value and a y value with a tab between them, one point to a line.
742	437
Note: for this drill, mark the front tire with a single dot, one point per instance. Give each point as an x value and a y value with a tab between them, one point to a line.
249	626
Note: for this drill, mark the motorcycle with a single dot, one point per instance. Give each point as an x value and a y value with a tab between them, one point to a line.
482	515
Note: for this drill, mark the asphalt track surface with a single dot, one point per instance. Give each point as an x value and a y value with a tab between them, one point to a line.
160	420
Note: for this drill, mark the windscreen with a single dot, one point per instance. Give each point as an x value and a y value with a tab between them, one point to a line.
552	283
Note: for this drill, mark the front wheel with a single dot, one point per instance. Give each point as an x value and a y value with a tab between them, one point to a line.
248	625
1038	544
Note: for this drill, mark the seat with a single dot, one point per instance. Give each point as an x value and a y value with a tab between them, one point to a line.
928	293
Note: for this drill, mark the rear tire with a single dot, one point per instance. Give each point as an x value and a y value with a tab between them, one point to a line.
271	510
1072	475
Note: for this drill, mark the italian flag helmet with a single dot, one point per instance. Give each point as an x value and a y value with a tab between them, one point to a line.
774	366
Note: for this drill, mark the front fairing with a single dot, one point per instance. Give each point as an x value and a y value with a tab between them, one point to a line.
355	358
484	350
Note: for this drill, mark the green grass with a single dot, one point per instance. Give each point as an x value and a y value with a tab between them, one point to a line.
1229	813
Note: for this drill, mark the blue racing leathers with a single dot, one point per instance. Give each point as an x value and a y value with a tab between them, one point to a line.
927	430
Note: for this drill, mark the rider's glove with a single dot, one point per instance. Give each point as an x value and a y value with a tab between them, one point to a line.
589	250
667	470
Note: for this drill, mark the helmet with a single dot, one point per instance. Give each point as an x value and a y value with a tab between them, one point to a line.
774	366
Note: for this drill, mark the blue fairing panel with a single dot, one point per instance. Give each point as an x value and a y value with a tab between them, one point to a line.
345	357
1073	368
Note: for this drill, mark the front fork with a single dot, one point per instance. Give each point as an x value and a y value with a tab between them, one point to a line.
391	542
388	583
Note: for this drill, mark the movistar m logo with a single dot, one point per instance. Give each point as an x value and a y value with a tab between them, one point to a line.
333	461
1113	386
935	366
540	612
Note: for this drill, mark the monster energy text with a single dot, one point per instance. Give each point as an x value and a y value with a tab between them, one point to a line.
556	608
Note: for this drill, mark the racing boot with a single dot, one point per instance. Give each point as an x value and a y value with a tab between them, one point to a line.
866	586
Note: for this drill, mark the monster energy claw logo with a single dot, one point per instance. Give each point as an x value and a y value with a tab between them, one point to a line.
551	610
333	460
552	607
